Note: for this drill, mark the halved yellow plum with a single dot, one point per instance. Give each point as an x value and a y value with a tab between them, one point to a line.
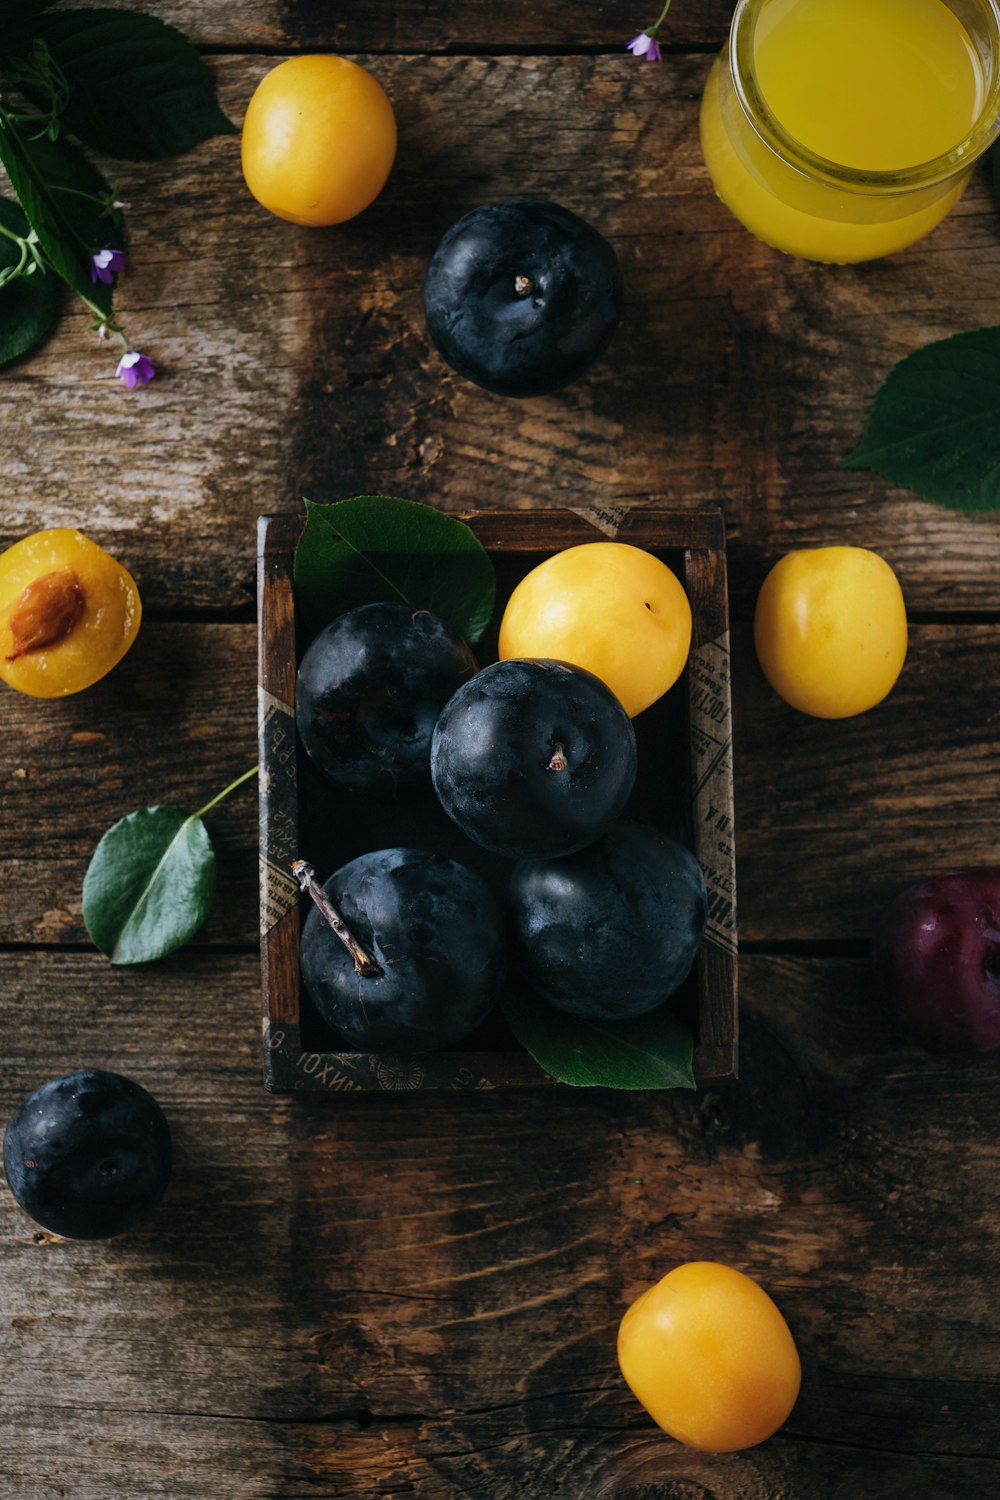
68	613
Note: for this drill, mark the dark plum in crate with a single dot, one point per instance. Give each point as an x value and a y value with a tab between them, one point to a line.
408	952
683	788
369	691
533	757
611	931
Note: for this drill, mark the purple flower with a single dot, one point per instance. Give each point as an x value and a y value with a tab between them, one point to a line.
135	369
106	263
645	46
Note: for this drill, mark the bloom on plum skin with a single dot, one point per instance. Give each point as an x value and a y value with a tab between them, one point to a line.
104	264
135	369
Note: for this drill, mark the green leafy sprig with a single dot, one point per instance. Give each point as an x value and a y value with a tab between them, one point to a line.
122	83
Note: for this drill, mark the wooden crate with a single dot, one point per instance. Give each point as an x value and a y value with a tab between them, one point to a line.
685	785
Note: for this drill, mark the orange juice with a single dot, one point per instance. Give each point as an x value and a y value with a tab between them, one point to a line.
840	130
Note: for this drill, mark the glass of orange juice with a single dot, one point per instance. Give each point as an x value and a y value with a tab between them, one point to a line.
841	130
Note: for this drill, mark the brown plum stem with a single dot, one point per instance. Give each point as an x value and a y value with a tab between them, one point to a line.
558	761
523	285
364	964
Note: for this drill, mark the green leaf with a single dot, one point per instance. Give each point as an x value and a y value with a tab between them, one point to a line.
375	547
653	1051
65	200
139	90
28	306
149	885
13	11
935	424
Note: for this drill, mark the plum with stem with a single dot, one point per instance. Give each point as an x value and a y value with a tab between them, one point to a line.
522	297
533	757
404	950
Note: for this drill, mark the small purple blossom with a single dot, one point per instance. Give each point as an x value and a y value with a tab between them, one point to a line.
135	369
645	46
106	263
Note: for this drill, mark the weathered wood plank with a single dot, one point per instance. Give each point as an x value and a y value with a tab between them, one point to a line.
349	1297
181	1458
414	26
297	361
82	1452
409	1295
831	818
178	1457
174	723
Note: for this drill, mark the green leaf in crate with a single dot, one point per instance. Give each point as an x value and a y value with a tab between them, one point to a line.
29	305
935	424
375	547
149	885
138	89
653	1051
66	202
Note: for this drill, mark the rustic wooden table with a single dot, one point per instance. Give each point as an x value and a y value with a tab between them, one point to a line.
418	1295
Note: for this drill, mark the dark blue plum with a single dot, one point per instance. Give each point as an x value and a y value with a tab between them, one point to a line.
369	690
533	757
436	936
522	297
88	1155
612	931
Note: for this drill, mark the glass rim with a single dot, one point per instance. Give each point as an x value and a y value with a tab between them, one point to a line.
765	124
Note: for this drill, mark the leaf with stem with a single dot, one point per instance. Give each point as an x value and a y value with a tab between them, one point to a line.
150	883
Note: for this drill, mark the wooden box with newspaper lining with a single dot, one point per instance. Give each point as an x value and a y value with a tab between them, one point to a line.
685	787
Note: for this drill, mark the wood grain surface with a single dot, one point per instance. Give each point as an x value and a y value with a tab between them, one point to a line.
354	1297
414	26
297	362
831	820
381	1296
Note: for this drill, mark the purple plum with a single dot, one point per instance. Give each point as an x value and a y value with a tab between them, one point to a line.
937	960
